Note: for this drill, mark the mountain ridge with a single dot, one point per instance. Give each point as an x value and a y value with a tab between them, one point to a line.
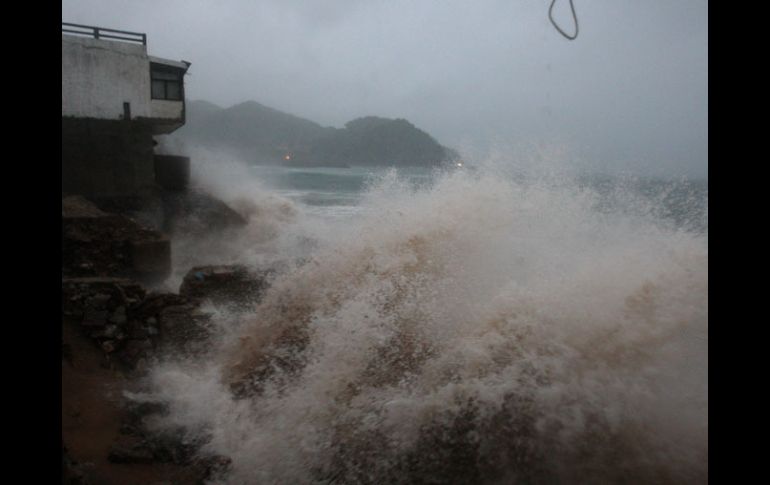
264	135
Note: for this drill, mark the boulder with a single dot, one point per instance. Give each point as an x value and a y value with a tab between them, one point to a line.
184	328
224	284
196	213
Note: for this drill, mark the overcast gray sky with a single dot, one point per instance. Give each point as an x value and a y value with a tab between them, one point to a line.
629	94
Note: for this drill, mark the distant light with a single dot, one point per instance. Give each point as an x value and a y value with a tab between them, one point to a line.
287	157
459	164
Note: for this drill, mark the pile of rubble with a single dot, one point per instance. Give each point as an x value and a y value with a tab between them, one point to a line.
131	327
108	259
98	243
128	323
105	308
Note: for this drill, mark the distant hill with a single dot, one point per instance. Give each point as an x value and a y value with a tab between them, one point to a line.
379	141
260	134
257	133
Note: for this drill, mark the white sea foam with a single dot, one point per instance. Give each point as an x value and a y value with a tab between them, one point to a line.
481	330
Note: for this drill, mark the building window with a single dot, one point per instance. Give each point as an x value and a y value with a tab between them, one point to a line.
166	82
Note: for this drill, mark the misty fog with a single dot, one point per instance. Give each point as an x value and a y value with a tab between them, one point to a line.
628	95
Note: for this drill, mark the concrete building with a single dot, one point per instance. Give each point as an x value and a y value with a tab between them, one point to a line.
115	98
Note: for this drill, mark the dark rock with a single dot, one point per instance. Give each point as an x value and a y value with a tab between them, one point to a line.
172	172
144	207
108	332
130	429
173	447
195	213
112	312
151	307
73	308
101	292
184	328
118	317
97	243
98	301
135	413
135	330
170	445
224	284
94	318
101	303
138	410
131	449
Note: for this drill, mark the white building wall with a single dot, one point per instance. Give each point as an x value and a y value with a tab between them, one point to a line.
98	76
164	109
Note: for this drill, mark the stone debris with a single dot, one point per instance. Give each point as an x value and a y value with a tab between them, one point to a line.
224	284
107	258
184	328
97	295
104	307
150	308
98	243
196	213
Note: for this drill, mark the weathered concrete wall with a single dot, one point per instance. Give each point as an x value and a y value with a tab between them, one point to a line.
172	172
163	109
106	157
98	76
104	152
167	116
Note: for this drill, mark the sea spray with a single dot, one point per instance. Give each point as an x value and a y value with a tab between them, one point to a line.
481	330
274	231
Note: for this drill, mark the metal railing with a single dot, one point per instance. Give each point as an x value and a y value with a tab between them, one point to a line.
102	33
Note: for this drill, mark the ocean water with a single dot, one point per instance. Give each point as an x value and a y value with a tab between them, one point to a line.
452	326
332	192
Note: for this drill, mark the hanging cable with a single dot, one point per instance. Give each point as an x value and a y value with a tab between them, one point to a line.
574	16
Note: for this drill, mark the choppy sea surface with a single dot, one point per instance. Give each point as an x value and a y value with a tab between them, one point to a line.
338	191
469	325
333	192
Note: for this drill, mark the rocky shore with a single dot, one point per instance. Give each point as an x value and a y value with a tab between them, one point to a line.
115	325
